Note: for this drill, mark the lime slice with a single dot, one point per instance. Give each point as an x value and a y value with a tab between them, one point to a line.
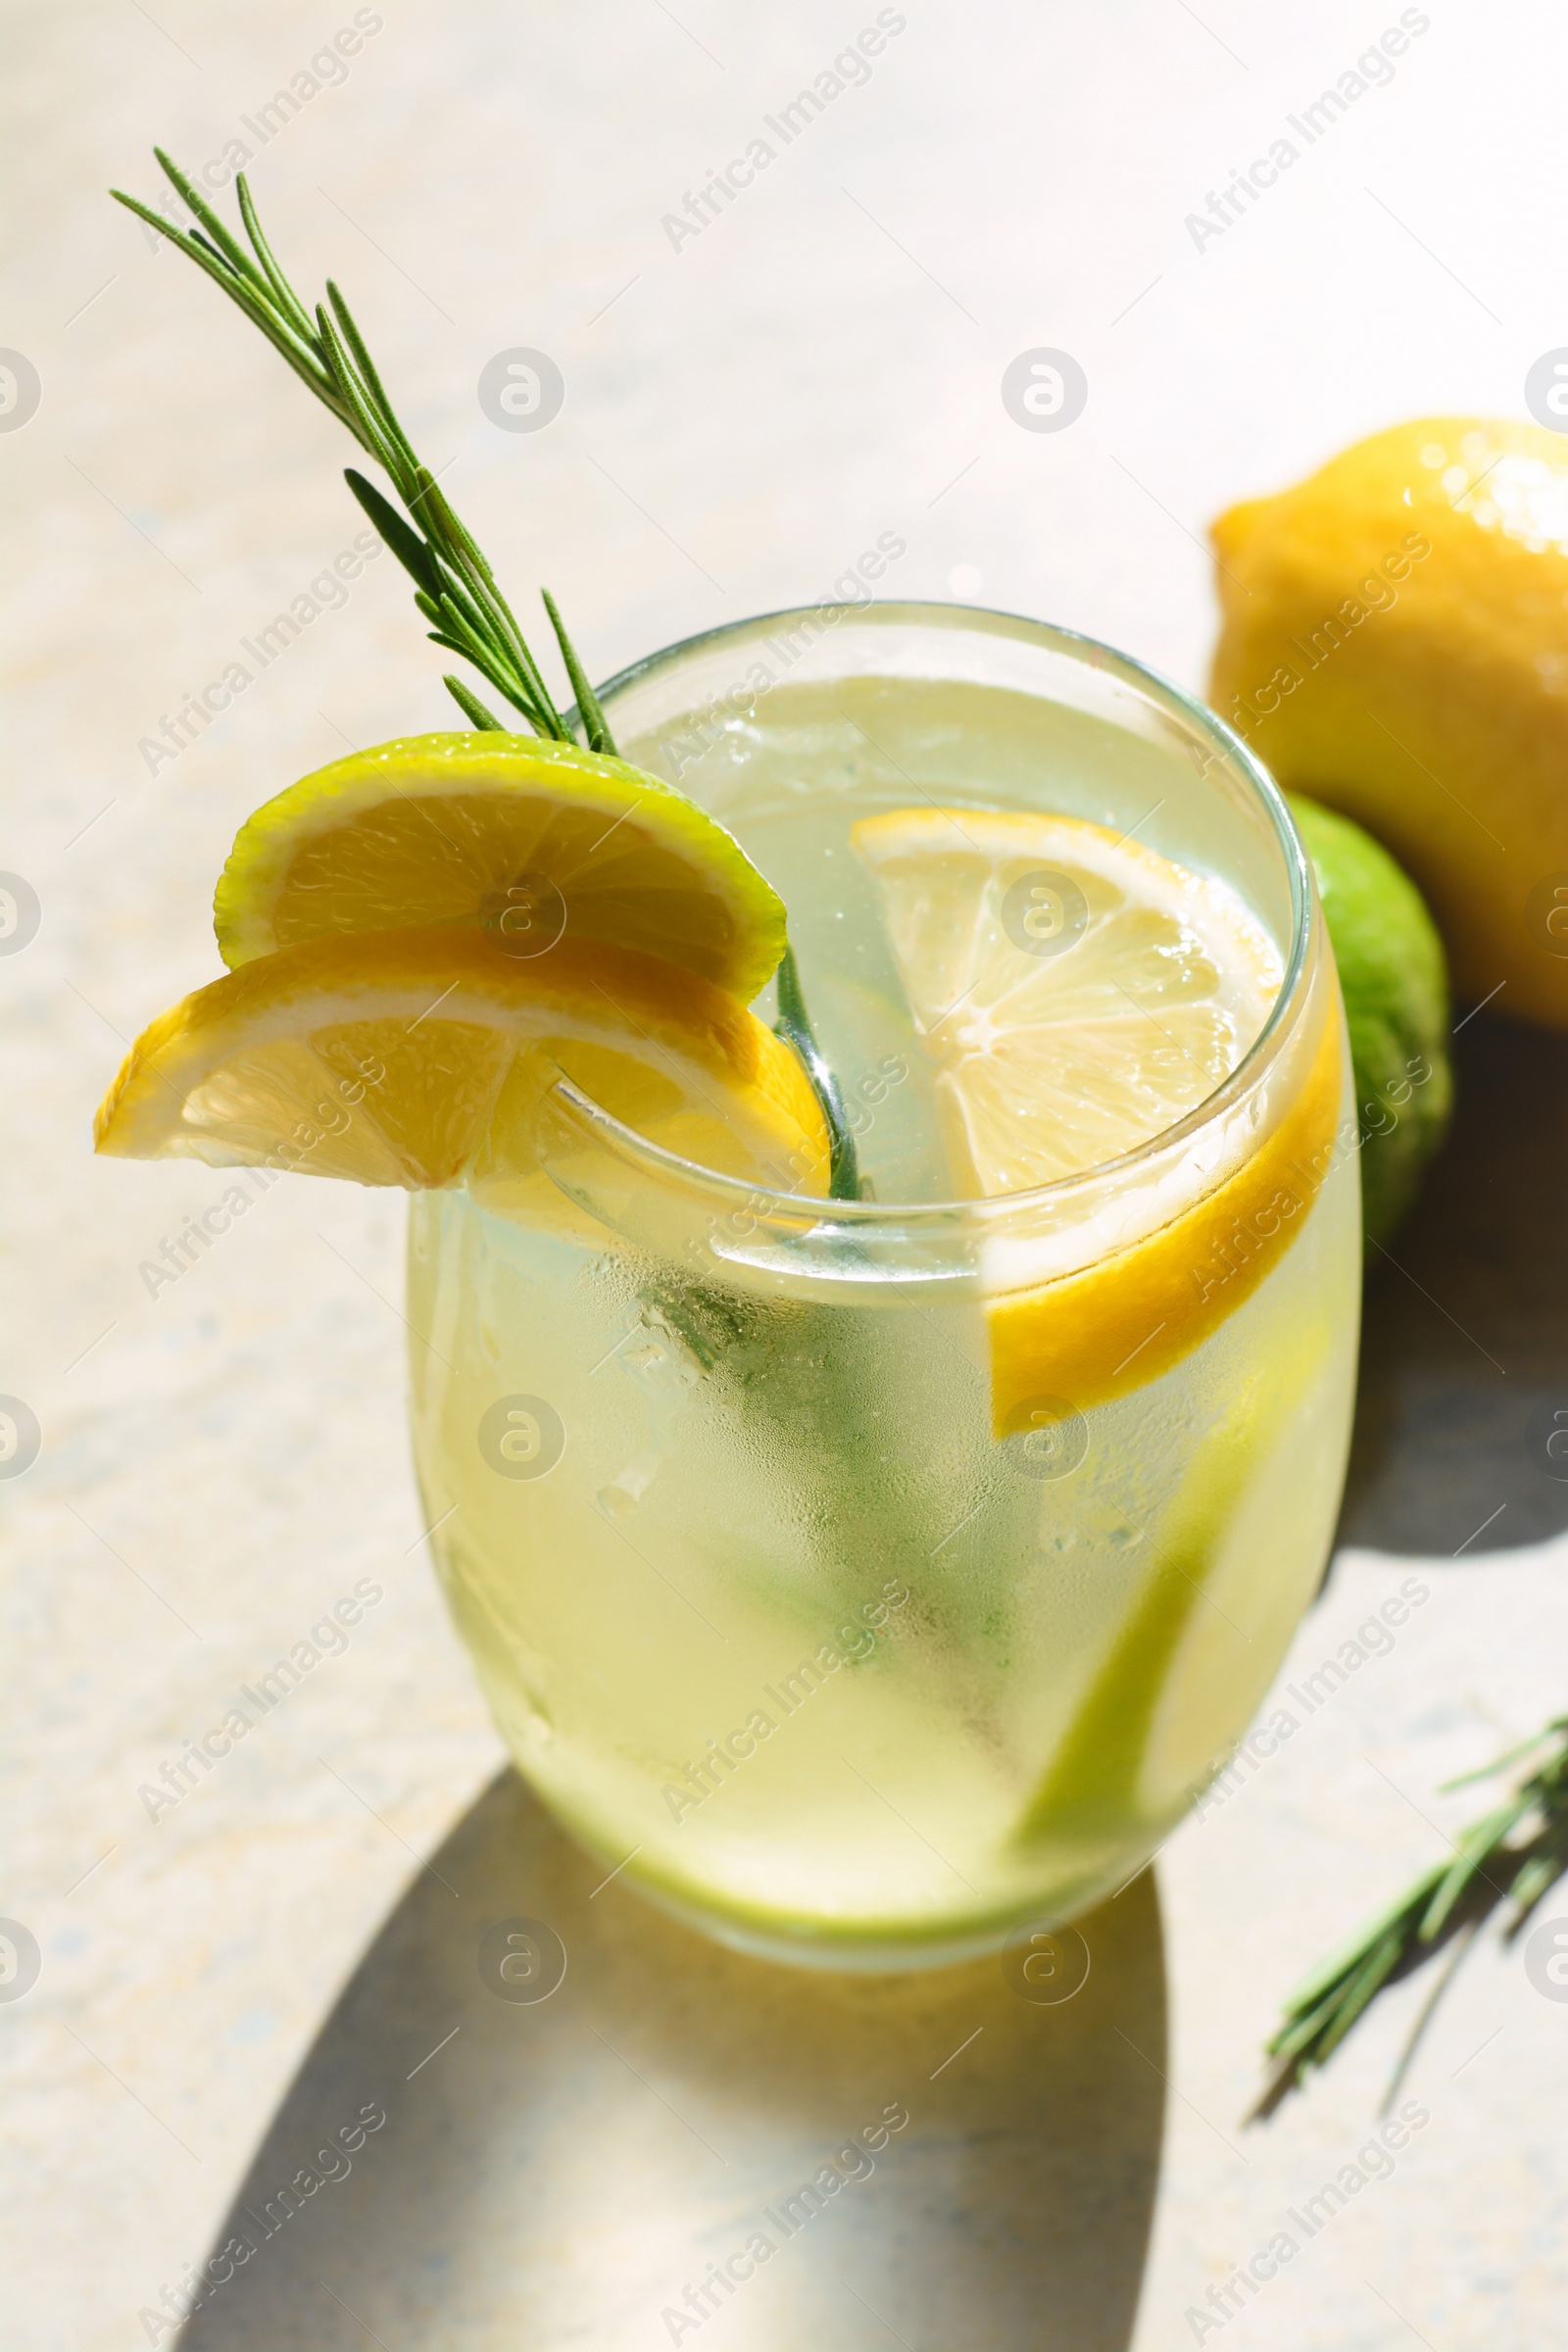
1079	995
532	840
1199	1647
420	1057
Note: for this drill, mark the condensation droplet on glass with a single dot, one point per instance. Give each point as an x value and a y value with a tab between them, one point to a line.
656	1359
536	1723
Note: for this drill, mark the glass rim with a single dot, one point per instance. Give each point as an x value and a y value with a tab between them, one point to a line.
766	1202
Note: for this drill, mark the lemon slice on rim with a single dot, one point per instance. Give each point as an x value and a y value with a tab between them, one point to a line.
1081	995
420	1058
532	840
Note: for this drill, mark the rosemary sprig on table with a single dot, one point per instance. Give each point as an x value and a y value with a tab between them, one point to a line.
1445	1907
454	587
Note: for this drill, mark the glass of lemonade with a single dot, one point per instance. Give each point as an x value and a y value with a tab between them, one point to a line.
864	1579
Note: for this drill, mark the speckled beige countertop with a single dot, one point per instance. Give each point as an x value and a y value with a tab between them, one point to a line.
746	407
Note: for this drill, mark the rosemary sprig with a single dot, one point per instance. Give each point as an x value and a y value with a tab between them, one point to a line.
454	585
1445	1907
795	1027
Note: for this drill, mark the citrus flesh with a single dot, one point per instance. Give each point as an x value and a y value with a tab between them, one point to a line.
531	839
421	1058
1052	1063
1395	644
1077	994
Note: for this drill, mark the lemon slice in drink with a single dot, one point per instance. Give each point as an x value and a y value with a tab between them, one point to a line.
1080	995
531	839
420	1057
1077	993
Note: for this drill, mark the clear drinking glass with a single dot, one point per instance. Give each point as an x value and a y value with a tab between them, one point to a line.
824	1573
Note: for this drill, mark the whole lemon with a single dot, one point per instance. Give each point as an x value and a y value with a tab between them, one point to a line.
1395	644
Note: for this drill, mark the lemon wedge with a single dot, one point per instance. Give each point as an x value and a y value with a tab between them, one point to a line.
420	1058
531	839
1080	995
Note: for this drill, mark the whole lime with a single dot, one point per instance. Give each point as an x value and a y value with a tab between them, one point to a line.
1396	985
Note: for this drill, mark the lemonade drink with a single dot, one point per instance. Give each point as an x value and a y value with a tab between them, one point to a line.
863	1580
859	1578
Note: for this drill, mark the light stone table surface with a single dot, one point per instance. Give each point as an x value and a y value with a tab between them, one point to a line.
746	409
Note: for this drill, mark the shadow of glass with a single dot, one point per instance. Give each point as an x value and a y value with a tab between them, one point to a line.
1461	1431
676	2133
